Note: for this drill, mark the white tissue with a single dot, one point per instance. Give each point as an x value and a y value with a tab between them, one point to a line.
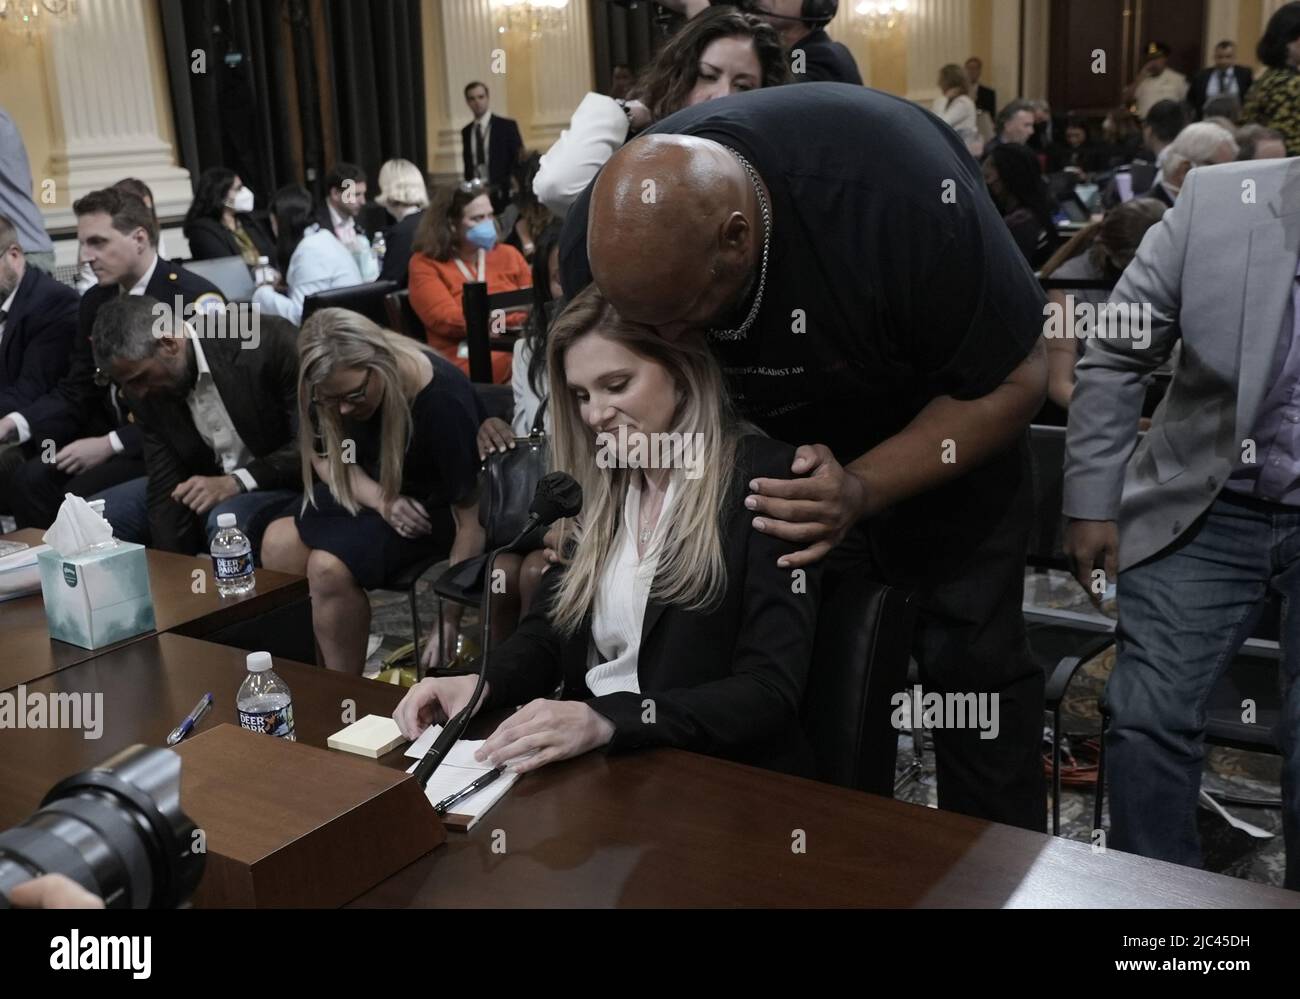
77	527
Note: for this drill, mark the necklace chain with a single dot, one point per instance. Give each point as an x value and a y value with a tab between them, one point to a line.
740	331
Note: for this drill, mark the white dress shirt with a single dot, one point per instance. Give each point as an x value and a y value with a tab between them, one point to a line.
527	402
5	309
619	612
320	263
959	113
596	131
483	125
212	420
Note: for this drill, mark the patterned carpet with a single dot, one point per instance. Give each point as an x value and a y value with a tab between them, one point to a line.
1227	850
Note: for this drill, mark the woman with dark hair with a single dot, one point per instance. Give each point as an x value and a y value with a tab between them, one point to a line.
716	54
1274	99
457	242
1122	136
1016	185
526	216
1098	252
218	222
311	258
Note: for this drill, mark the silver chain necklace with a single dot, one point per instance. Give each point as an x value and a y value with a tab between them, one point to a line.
740	331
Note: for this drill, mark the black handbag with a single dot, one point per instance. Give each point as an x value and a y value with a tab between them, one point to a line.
509	480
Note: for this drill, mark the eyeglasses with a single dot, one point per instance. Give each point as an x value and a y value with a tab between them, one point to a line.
355	398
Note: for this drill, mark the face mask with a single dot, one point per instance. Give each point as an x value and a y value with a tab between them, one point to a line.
483	235
243	200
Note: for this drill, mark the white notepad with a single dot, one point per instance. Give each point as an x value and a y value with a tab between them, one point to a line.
458	770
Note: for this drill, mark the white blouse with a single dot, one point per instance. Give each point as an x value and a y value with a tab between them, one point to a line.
621	597
959	113
597	130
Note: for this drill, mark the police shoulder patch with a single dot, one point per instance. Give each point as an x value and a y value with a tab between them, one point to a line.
209	302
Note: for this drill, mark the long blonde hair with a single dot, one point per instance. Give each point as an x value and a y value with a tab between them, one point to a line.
691	569
339	338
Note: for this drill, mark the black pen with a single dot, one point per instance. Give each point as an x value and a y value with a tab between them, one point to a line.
478	785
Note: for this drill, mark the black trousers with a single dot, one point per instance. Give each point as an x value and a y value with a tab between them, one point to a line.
961	551
33	490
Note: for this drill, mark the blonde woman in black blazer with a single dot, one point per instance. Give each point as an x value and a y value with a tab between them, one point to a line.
713	655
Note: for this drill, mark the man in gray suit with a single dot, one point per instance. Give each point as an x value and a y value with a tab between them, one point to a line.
1202	521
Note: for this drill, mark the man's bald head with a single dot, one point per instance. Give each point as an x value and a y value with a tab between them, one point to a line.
674	232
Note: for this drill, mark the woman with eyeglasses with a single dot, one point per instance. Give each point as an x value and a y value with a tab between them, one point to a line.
717	53
456	243
673	622
388	429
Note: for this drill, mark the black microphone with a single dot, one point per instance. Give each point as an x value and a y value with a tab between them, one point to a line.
558	495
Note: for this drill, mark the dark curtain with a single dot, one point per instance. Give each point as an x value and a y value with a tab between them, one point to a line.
378	82
623	32
292	86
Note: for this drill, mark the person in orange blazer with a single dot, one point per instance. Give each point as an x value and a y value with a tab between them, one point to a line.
456	243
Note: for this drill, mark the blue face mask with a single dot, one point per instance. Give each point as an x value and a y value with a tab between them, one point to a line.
483	235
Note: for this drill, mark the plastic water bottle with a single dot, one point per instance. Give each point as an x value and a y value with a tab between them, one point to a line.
379	247
264	702
232	558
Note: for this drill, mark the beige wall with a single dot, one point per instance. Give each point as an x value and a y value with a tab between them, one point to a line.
24	93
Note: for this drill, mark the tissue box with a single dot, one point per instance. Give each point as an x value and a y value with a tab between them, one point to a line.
99	597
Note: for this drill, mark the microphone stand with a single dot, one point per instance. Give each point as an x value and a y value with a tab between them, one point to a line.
451	732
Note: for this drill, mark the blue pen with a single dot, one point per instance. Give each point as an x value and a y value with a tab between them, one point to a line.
192	719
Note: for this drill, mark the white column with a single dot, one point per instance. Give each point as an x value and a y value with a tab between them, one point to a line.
1003	72
562	74
1220	23
1035	53
106	108
471	50
938	32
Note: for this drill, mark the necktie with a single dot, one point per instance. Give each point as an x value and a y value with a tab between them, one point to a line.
479	155
1223	82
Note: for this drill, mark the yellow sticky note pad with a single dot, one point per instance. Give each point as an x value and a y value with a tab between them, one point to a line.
371	736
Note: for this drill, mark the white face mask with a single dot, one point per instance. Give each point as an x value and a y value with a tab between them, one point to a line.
242	201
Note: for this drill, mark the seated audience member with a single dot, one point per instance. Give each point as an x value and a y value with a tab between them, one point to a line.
135	186
525	217
1274	99
405	196
1098	252
38	320
1223	107
457	243
219	418
1122	136
1016	186
84	416
1045	133
621	79
523	572
388	428
1255	142
218	223
310	258
954	105
1014	126
1200	144
716	53
1079	154
345	197
1161	126
1197	531
668	593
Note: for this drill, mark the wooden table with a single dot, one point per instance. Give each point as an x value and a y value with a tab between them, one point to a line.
30	653
660	828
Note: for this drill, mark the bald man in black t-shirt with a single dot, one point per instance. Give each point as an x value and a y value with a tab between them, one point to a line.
838	248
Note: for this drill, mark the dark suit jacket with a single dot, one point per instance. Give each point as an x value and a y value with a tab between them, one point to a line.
504	146
1201	83
325	222
398	240
37	339
259	388
210	240
986	99
824	61
728	682
76	407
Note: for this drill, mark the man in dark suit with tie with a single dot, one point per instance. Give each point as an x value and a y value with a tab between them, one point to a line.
38	319
491	145
219	417
1224	79
77	436
986	98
